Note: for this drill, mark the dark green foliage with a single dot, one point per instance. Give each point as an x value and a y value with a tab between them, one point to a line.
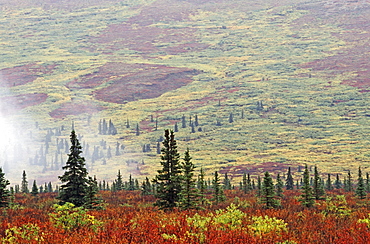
192	128
307	197
360	190
338	182
218	192
24	183
202	186
4	192
367	183
348	185
246	183
289	181
137	130
279	186
231	118
168	180
75	181
146	187
183	122
176	127
329	185
226	183
35	189
131	184
268	192
196	123
318	187
91	200
119	182
189	195
259	186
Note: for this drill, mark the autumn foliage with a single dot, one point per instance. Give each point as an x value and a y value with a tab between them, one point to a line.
129	217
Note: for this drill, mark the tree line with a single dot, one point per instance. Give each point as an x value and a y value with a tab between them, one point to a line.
177	186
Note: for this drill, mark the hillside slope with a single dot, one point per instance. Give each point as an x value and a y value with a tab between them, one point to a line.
270	85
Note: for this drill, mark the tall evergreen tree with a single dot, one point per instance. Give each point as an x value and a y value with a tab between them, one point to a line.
183	122
259	186
367	182
329	185
119	182
189	195
268	191
349	184
137	130
146	187
75	178
131	183
202	186
226	183
50	187
24	183
244	183
279	186
231	118
218	192
168	180
338	182
360	190
307	198
35	189
289	180
318	187
91	199
4	192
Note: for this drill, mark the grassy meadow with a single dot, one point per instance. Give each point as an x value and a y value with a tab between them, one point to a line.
287	73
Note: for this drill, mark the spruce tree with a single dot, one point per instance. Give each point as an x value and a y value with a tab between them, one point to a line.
226	183
91	200
218	193
131	183
183	122
307	198
24	183
338	182
318	187
75	178
189	195
202	186
119	182
268	191
244	183
4	192
367	182
35	189
329	185
259	186
50	187
146	187
289	181
360	190
349	185
279	186
168	180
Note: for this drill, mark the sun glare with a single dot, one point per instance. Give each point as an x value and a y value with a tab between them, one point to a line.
7	136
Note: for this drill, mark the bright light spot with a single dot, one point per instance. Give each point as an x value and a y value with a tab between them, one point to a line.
7	134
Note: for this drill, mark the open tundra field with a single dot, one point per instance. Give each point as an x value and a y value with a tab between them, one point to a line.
251	85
